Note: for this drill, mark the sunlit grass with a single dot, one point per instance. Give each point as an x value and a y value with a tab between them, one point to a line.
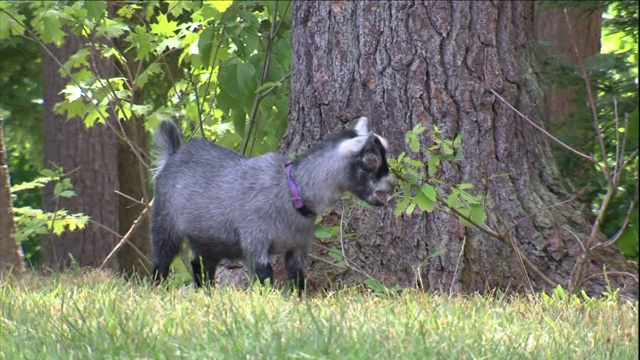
94	315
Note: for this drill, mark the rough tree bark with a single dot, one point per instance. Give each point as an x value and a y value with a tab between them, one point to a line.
403	63
11	257
90	156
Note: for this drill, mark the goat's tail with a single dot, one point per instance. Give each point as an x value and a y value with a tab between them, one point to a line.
167	142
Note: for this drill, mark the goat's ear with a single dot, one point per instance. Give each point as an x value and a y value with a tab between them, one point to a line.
362	127
353	146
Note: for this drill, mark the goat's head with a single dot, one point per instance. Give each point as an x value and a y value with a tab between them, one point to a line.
369	177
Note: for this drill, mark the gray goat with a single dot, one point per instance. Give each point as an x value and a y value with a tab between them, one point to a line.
232	207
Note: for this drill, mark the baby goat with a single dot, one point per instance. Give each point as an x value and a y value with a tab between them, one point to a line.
232	207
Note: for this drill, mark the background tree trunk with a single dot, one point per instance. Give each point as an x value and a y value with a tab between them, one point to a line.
11	257
133	182
403	63
90	156
551	26
560	101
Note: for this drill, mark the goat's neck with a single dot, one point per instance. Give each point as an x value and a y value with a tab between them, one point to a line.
320	180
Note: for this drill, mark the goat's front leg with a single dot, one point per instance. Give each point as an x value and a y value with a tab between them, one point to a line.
258	259
207	276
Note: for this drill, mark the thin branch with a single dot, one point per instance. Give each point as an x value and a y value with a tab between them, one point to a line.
131	198
198	108
455	271
125	239
591	97
541	129
620	231
574	197
576	237
344	254
615	273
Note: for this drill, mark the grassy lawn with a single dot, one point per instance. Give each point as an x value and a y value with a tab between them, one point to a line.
93	315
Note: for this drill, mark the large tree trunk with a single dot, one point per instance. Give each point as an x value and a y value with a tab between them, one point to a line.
11	257
90	156
405	63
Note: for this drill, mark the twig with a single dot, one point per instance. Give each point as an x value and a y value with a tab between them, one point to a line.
577	195
541	129
620	231
344	255
617	273
455	271
131	198
591	97
125	239
577	238
502	238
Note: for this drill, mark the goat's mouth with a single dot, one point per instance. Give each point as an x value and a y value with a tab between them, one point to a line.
379	198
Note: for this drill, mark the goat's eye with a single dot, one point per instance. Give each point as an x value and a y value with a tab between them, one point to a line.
377	141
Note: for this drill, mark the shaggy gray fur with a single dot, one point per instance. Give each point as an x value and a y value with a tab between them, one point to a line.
229	206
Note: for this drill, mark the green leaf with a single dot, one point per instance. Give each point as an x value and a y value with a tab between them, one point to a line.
95	9
401	206
163	26
67	194
432	164
376	285
58	227
127	10
239	119
152	69
463	221
168	44
632	130
477	214
336	255
237	79
414	142
323	232
112	28
220	5
429	191
452	199
410	208
205	44
50	26
140	41
424	202
11	21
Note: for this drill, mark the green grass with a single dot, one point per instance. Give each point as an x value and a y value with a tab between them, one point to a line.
97	316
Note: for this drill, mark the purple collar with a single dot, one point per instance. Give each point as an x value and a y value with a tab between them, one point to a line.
295	194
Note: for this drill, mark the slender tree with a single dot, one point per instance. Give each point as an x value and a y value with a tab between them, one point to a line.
11	257
89	155
465	67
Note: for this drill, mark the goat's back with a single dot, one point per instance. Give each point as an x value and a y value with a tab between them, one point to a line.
211	192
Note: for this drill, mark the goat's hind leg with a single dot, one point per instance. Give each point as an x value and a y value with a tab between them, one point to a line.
165	249
294	262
